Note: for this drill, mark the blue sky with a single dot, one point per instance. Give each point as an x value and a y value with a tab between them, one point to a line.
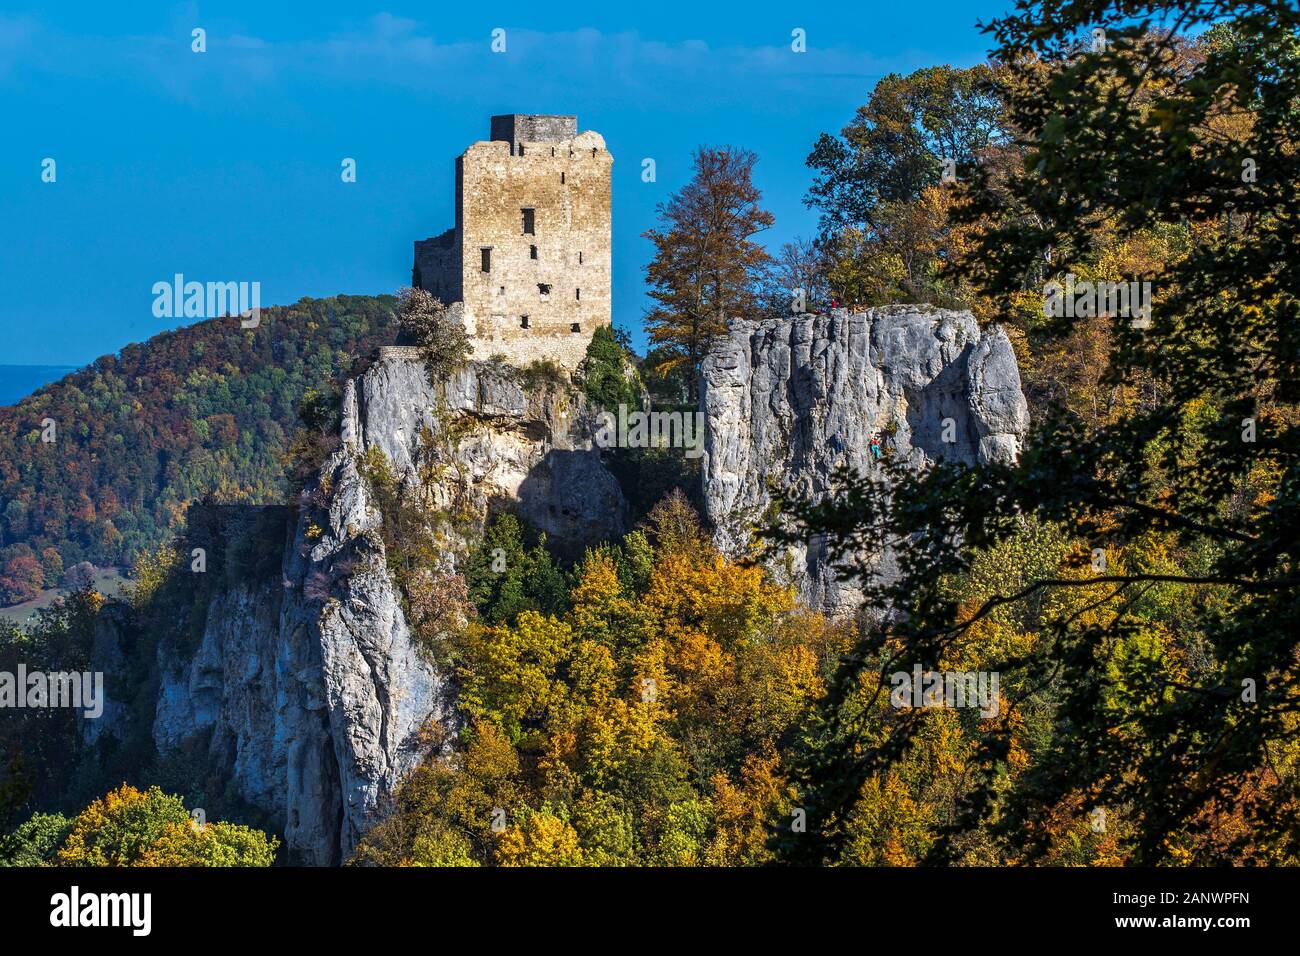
225	165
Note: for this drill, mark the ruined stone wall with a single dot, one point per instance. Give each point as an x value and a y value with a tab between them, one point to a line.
437	266
544	293
518	128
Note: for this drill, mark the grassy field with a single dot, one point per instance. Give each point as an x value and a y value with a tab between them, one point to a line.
108	581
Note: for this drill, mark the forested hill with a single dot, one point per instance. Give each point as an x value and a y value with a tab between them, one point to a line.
211	408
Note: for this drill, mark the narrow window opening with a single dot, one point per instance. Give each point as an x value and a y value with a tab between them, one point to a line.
486	253
579	258
544	289
577	294
561	179
523	321
529	221
532	252
575	327
593	152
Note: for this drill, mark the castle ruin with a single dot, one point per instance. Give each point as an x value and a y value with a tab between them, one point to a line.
528	260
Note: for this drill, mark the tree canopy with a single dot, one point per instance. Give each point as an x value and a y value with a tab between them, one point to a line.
1149	657
707	266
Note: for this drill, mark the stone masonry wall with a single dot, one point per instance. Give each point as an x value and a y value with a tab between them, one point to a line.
437	266
545	291
517	128
556	278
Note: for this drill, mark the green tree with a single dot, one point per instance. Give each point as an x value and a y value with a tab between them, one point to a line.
611	378
885	228
35	842
130	827
1195	741
896	143
504	577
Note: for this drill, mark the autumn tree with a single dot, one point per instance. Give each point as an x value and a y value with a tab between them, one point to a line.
880	187
707	266
638	724
425	323
130	827
22	579
1186	732
99	494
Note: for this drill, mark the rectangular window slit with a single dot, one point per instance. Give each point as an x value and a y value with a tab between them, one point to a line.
486	254
529	221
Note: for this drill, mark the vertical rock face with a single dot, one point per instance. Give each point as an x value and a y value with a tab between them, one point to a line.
226	688
525	446
305	683
311	689
787	401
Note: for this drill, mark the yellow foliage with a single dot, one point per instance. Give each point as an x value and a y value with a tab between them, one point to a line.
131	827
632	728
542	840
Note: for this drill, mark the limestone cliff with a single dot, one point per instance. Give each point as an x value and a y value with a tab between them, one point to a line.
309	688
787	401
301	683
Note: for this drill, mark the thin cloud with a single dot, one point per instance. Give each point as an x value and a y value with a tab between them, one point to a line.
400	53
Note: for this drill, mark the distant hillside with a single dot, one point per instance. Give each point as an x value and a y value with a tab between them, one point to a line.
210	408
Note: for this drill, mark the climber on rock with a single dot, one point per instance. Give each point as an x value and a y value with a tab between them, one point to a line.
875	445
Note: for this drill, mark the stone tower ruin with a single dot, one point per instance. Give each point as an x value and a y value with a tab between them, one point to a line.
529	257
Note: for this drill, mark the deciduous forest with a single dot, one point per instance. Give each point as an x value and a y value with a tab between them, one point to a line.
1132	579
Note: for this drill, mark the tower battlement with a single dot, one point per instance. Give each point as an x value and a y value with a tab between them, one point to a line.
519	128
529	255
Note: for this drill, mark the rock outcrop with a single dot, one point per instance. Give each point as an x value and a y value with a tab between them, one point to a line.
788	401
308	686
302	682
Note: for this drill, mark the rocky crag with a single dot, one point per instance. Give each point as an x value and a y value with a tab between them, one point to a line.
307	686
788	401
300	682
